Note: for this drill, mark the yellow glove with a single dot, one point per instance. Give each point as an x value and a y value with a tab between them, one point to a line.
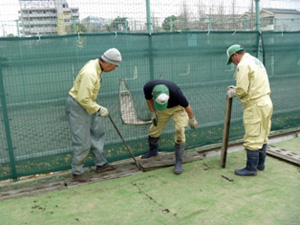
193	123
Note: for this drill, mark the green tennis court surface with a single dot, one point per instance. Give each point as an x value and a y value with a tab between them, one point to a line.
204	194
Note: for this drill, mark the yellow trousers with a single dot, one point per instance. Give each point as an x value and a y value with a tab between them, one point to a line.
257	123
180	119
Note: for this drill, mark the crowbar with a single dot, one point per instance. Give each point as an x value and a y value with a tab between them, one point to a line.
226	131
136	163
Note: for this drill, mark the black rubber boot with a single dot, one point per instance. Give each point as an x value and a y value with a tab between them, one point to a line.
153	146
262	157
251	167
179	148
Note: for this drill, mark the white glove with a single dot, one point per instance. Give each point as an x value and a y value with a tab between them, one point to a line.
154	119
103	112
193	123
230	91
231	86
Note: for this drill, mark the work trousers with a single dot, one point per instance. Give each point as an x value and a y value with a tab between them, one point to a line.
180	119
257	123
87	134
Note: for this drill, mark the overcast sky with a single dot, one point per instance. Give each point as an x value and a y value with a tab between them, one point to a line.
137	8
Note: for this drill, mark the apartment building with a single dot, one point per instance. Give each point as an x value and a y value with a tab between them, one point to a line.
46	17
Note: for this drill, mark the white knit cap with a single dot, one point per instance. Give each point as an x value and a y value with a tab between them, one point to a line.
112	56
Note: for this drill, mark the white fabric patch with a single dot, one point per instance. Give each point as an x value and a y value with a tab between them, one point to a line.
162	99
227	52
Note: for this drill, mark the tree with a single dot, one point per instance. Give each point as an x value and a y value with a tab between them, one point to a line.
252	18
201	15
80	28
234	24
155	23
119	24
169	23
182	19
219	22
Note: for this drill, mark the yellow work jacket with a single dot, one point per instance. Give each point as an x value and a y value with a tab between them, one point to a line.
87	85
252	80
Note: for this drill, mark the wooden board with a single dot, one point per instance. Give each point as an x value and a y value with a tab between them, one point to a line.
65	182
167	159
226	132
284	154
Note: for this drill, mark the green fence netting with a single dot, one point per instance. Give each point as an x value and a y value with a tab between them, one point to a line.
37	73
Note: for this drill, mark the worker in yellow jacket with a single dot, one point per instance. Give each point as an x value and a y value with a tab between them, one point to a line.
83	114
253	89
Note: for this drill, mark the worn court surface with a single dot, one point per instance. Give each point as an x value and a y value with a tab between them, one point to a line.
204	194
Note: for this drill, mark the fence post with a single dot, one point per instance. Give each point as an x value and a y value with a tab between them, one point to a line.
171	24
18	27
7	126
148	16
257	9
258	43
150	47
74	27
149	40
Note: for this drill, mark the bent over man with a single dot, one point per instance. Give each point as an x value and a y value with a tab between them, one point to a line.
83	111
253	89
166	100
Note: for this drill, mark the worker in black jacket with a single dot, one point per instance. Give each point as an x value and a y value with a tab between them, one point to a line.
165	100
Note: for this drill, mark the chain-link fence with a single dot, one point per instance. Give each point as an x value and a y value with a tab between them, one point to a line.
60	17
37	72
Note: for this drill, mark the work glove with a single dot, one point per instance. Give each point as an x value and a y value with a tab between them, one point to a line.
193	123
154	119
103	112
230	91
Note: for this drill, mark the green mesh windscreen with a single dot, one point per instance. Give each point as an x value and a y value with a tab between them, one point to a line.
37	74
282	60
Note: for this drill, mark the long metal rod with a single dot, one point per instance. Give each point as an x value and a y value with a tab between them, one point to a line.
136	163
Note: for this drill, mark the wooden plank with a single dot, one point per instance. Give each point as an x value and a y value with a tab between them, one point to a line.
284	154
168	159
65	182
226	132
